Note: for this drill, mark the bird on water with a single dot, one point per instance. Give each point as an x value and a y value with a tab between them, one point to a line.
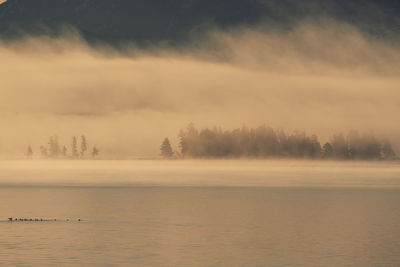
33	220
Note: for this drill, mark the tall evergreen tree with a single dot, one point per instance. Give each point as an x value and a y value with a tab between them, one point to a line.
83	146
74	149
29	152
166	149
95	152
327	151
64	151
387	151
54	147
340	146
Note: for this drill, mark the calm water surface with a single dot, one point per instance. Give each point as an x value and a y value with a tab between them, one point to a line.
154	213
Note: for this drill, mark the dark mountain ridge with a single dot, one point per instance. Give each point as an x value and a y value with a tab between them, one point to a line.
175	20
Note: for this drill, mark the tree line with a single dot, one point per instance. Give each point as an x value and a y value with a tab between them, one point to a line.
53	149
265	142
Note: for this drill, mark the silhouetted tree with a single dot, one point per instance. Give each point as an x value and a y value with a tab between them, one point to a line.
372	147
83	145
64	151
29	152
182	142
327	151
355	145
95	152
166	149
54	147
188	140
314	150
387	151
340	147
264	142
74	149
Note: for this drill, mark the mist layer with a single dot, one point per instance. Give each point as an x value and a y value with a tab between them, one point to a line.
323	79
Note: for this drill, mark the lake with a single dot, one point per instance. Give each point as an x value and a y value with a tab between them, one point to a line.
200	213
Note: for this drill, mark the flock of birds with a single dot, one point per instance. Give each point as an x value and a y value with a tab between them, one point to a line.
35	220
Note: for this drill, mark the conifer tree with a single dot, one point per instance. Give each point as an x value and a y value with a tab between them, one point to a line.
64	151
387	151
51	146
166	149
83	146
54	147
29	152
74	148
95	152
327	150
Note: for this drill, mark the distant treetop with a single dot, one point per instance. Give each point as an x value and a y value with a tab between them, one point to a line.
265	142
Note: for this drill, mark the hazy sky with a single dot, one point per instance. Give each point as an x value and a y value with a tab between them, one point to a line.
323	79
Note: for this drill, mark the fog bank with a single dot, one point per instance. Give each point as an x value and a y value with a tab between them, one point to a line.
323	79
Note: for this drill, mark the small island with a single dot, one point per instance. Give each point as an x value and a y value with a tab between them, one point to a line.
266	142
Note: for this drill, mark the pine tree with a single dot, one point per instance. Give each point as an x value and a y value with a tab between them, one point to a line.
95	152
64	151
29	152
387	151
74	148
83	146
327	150
54	147
166	149
51	146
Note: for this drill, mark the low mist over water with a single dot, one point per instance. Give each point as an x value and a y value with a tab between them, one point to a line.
199	173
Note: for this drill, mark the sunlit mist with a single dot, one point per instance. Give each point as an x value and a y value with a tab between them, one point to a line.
322	79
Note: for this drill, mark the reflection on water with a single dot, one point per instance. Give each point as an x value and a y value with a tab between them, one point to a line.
140	224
